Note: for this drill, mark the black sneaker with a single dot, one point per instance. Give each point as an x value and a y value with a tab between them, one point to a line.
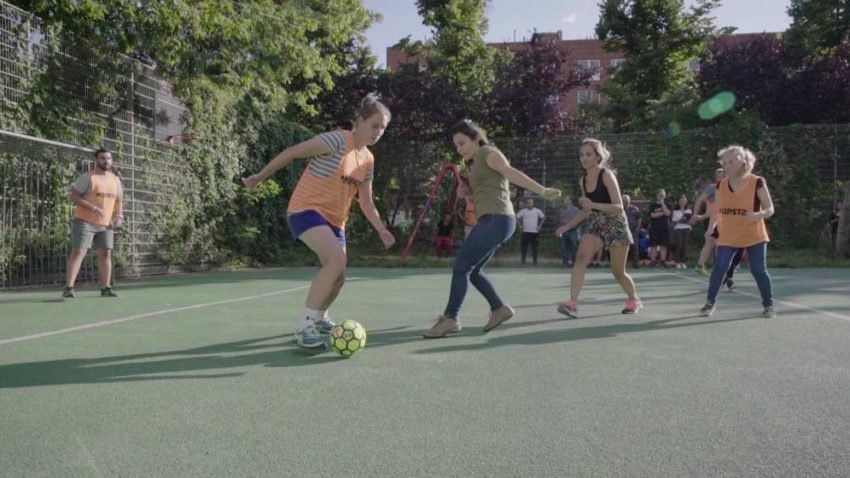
730	285
107	292
707	310
69	293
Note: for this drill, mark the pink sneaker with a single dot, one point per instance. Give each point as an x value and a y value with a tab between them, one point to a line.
632	306
569	308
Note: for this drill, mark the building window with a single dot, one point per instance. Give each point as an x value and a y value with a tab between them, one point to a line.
590	66
588	96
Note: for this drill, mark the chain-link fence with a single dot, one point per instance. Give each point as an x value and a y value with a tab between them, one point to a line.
804	165
55	99
50	91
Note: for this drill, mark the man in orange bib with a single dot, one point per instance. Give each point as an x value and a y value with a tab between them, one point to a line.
98	212
742	204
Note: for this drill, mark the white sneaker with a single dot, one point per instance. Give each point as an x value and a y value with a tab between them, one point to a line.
309	338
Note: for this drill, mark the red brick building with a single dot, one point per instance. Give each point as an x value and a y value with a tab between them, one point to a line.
587	54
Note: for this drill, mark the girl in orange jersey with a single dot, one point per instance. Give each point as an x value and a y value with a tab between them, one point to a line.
341	166
742	204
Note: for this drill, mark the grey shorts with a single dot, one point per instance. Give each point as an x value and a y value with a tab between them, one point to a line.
84	232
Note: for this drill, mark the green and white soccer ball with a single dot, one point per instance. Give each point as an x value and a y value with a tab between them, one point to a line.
348	337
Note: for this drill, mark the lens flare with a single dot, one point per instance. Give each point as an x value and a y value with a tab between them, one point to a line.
716	105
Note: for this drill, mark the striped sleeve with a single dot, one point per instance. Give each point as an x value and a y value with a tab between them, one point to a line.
324	166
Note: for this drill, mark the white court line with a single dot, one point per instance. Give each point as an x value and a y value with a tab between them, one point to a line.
150	314
783	302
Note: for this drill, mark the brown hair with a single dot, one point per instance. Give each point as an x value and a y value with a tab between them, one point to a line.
371	105
471	130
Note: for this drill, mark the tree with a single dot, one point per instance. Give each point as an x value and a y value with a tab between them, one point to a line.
758	72
460	55
824	87
529	86
818	26
454	72
359	78
781	84
263	47
658	38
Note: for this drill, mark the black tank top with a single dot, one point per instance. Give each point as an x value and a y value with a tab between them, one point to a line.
600	194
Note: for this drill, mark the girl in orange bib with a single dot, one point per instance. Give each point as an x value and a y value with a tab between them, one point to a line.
340	167
742	204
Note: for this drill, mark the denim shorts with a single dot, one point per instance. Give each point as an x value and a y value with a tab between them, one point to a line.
300	222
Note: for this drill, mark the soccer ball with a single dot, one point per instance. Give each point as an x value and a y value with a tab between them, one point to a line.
348	337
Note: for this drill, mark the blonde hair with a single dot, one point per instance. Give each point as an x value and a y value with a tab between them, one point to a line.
600	150
741	153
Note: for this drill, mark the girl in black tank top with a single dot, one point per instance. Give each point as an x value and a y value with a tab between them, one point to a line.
605	225
600	193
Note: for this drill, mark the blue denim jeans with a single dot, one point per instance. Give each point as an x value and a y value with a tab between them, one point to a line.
569	246
757	255
490	232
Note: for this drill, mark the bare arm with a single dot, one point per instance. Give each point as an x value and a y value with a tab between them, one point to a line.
497	161
766	204
580	217
118	212
118	208
659	213
700	202
367	205
306	149
77	198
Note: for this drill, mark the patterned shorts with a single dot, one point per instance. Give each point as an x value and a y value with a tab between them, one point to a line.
613	229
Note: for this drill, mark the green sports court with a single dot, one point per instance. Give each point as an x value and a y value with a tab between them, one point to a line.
195	375
201	137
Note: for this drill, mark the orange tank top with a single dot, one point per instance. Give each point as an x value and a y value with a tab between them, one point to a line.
103	192
330	182
733	228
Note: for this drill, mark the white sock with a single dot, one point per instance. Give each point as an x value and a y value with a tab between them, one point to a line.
323	315
308	319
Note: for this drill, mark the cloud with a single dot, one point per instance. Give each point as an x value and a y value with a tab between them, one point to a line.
571	18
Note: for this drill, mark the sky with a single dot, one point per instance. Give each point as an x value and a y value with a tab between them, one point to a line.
518	19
